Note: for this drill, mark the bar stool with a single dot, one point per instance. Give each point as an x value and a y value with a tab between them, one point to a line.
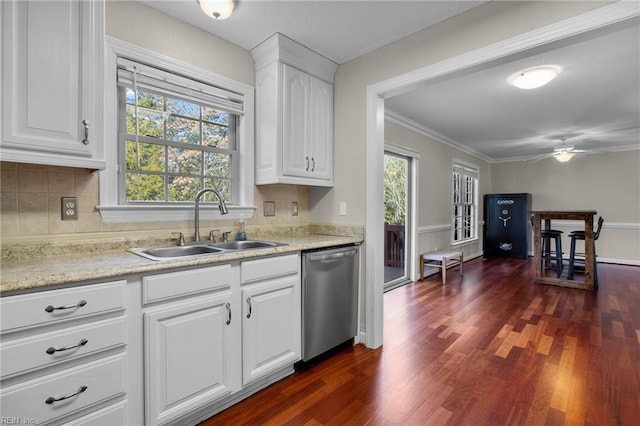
580	235
547	235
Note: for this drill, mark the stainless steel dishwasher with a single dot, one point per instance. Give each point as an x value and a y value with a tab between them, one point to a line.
329	298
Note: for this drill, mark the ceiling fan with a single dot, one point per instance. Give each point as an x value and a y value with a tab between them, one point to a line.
562	153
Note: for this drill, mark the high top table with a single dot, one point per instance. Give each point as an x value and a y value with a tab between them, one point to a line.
589	264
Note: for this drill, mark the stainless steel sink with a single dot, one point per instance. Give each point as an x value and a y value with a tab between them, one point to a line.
164	253
245	245
177	252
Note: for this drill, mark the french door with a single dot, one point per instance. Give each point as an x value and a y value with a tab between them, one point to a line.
398	207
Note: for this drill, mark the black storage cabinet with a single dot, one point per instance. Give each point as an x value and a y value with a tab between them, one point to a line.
506	225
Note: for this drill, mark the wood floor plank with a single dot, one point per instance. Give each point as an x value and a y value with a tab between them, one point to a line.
488	348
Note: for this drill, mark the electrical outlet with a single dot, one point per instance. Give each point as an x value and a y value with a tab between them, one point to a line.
69	208
343	209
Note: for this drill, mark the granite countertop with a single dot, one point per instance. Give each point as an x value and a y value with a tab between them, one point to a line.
35	272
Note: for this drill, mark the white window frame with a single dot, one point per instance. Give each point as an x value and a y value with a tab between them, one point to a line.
110	209
471	170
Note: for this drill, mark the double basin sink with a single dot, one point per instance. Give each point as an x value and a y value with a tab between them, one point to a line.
199	249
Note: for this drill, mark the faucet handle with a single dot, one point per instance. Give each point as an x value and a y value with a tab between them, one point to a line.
180	237
225	236
212	235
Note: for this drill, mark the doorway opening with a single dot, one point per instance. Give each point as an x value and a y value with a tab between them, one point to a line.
397	217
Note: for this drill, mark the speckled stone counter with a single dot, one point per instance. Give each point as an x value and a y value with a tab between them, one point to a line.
33	272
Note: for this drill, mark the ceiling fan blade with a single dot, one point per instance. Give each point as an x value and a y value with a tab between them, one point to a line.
542	157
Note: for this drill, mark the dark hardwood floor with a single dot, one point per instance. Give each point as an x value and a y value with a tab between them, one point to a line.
489	348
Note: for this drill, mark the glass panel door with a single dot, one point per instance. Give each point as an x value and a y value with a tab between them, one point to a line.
396	207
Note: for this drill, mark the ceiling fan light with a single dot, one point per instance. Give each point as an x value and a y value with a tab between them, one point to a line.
217	9
563	157
532	78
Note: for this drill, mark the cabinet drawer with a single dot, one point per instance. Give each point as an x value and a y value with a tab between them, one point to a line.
30	310
270	267
113	415
174	284
82	387
50	348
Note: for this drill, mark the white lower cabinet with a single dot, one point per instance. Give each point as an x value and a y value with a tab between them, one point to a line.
43	399
168	348
190	350
63	354
214	335
271	320
191	343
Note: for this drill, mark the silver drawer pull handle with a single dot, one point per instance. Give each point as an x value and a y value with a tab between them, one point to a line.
51	399
307	168
313	161
53	350
86	132
249	303
52	308
228	306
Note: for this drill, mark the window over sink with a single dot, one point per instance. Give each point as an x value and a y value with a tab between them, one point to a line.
179	129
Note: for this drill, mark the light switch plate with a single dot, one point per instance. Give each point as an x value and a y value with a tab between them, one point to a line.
69	208
343	208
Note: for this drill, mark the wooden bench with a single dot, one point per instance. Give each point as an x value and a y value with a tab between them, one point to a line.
443	260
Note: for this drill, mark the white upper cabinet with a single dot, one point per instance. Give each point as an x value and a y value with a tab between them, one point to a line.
52	82
294	114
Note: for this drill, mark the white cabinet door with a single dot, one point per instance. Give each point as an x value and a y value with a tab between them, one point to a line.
295	122
191	355
270	326
271	315
307	125
51	84
321	129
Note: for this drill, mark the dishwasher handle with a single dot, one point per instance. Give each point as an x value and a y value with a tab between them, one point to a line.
332	256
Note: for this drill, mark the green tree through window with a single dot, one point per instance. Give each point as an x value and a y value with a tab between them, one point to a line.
174	147
395	190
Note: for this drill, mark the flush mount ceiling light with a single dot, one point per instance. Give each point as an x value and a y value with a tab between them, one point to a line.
563	157
532	78
217	9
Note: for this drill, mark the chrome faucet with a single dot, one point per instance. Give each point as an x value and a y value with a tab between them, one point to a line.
222	207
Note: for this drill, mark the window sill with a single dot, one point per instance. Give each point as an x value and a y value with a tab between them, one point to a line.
465	242
120	214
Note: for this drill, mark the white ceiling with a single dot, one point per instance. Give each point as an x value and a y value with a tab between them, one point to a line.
595	101
337	29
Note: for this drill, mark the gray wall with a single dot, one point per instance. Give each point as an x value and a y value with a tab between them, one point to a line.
608	183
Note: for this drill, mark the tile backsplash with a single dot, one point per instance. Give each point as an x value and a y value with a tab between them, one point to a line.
31	204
